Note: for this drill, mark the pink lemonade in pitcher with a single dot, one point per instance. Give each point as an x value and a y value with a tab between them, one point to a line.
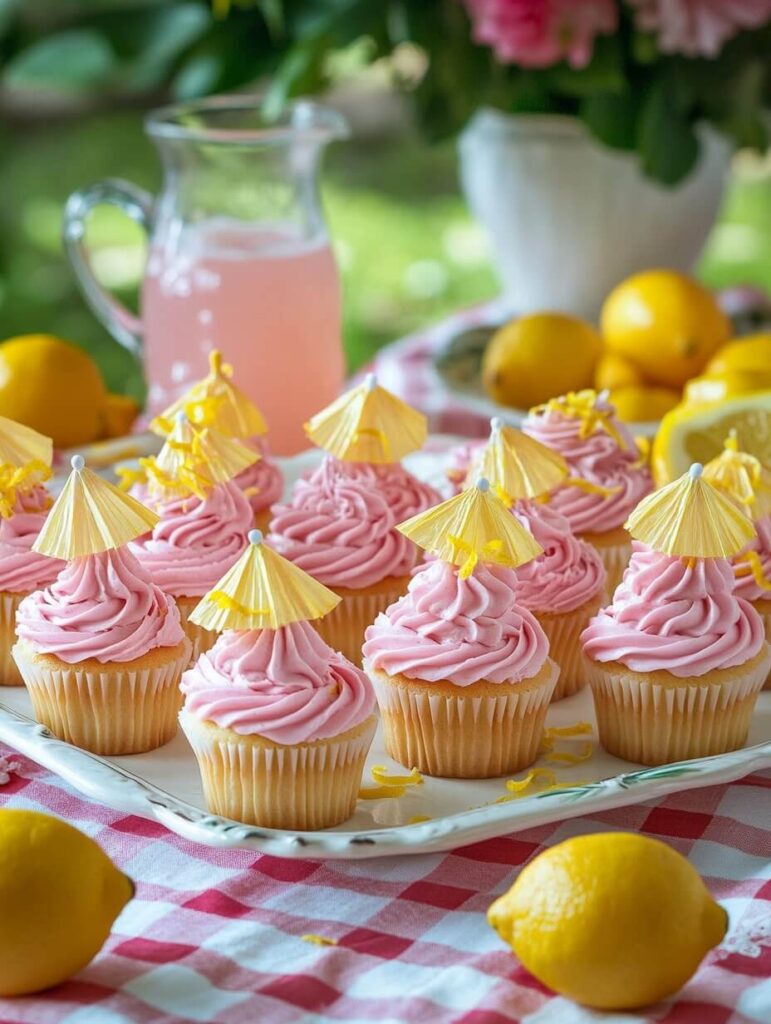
268	299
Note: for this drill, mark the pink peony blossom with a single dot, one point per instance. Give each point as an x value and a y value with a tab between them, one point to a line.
538	33
698	28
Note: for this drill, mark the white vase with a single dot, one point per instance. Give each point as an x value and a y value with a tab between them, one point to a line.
568	218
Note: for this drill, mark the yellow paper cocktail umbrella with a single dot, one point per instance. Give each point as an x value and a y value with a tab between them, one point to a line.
215	401
517	466
691	518
743	477
25	462
20	445
91	515
474	526
263	590
193	460
368	424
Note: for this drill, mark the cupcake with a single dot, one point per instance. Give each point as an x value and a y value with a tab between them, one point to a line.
564	585
608	477
279	722
460	668
101	650
678	658
204	517
339	524
216	402
748	482
25	458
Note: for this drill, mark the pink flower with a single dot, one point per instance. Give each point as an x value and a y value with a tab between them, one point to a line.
538	33
698	28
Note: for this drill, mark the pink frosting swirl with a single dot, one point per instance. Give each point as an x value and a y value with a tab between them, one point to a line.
568	573
340	528
284	684
404	494
263	481
196	541
599	459
101	606
667	614
22	569
462	631
745	585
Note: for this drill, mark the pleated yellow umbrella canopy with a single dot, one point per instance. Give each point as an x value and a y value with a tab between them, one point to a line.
215	401
91	515
692	518
368	424
474	526
263	590
20	445
193	460
517	466
742	476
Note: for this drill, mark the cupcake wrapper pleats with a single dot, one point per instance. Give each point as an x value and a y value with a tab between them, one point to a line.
307	786
111	710
464	736
565	648
642	720
9	672
200	639
343	628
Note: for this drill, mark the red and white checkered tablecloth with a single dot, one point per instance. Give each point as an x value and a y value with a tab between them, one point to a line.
216	936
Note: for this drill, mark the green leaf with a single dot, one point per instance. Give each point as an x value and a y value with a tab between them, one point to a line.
154	41
666	140
645	49
74	60
603	74
612	118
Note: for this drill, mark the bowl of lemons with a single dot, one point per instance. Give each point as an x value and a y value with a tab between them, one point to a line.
664	350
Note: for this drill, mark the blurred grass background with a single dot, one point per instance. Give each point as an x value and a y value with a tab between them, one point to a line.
408	249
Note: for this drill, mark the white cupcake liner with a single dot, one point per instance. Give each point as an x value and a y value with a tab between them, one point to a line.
564	631
200	639
647	721
9	672
113	709
343	628
457	735
307	786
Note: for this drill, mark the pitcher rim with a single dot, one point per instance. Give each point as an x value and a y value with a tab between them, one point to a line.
302	116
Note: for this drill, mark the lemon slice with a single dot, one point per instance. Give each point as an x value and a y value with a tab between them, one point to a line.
695	433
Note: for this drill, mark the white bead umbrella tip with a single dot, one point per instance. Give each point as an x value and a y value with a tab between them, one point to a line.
255	536
77	462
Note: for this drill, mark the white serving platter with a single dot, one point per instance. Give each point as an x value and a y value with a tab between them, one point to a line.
164	784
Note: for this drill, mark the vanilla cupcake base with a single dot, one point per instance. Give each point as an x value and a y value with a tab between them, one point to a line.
615	549
9	672
200	639
763	608
262	519
112	708
564	631
343	629
655	717
307	786
468	732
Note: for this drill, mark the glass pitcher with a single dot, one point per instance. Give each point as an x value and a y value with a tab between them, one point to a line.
239	259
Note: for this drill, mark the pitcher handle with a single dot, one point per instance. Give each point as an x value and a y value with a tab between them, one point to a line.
122	324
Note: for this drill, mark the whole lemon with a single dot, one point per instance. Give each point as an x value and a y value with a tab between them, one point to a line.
665	323
751	354
717	388
637	404
537	357
613	920
53	387
59	895
613	371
